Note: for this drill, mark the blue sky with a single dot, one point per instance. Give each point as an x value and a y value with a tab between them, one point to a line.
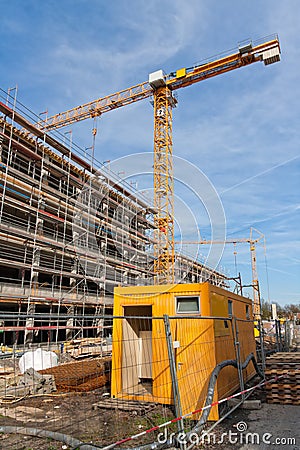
240	129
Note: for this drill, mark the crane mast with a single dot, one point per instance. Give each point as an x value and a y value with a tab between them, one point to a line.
164	255
160	86
253	242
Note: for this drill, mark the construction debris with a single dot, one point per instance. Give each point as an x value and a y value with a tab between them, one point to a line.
138	408
30	383
80	348
286	390
4	371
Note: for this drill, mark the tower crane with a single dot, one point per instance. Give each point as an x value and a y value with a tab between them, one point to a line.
252	241
161	87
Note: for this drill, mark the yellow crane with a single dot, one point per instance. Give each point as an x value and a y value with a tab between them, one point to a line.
161	87
253	242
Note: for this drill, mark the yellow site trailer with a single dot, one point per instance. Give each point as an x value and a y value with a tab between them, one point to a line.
140	361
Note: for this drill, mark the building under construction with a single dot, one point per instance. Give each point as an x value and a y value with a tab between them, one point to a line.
89	267
70	231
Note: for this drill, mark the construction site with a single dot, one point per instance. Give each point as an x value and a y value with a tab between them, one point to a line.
109	334
69	237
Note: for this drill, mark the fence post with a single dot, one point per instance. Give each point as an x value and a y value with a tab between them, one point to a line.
235	332
175	387
262	346
277	335
287	342
290	334
280	336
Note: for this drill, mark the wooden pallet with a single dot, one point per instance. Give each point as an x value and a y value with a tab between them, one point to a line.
283	387
283	402
281	360
286	390
139	408
282	371
283	396
286	372
285	380
283	393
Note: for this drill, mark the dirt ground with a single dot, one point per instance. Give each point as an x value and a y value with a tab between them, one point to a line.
74	415
272	426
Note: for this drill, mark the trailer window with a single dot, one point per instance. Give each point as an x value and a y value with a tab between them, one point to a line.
187	304
229	308
247	312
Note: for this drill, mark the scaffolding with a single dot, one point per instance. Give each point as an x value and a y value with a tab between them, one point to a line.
70	230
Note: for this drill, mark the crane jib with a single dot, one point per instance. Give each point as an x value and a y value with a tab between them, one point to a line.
195	77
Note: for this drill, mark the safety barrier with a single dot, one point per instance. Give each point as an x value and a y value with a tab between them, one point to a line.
129	380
